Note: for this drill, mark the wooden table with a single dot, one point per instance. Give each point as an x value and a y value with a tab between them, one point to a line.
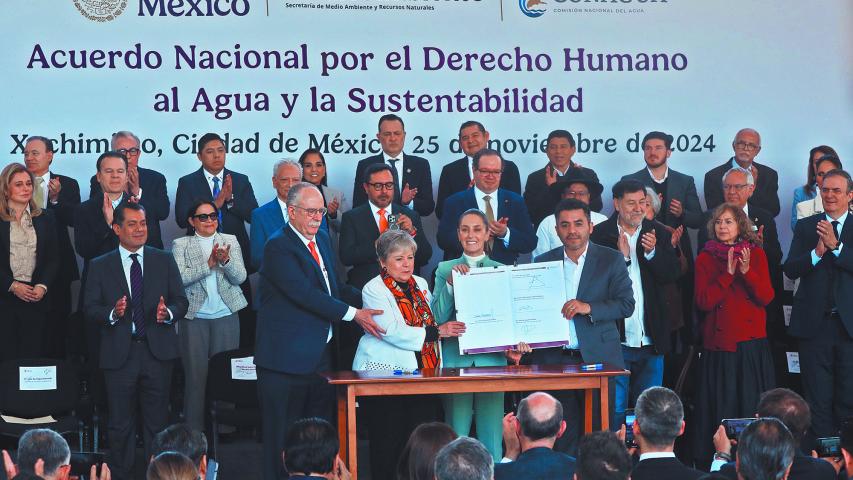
525	378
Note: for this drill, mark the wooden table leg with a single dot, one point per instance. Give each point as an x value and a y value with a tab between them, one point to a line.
341	392
605	404
587	423
352	448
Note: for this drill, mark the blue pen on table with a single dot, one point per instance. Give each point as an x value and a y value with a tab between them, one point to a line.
592	366
406	372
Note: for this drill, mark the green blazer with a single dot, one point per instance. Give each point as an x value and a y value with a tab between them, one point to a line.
444	310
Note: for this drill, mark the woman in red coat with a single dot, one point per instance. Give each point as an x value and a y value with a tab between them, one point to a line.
732	288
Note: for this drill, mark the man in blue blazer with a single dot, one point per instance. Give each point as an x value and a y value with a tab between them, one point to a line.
270	217
509	223
299	300
598	296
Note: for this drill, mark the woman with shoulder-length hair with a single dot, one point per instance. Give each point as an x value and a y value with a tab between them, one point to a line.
811	189
410	343
211	266
460	408
28	265
732	288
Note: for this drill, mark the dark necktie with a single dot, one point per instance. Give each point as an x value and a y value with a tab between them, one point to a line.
136	307
216	190
397	195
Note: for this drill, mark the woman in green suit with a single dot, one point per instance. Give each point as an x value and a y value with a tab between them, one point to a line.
459	408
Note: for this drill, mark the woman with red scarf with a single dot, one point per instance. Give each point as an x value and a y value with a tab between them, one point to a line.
410	343
732	288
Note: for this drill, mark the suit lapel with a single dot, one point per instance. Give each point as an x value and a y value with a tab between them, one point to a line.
303	251
149	267
117	270
197	255
328	261
201	186
370	223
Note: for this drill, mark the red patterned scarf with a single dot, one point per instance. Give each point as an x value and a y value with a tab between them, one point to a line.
415	315
720	250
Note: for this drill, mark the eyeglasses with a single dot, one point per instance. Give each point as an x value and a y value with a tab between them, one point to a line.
313	212
131	151
489	172
747	146
738	187
380	186
207	217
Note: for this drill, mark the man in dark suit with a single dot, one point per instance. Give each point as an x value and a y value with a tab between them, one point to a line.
412	177
232	194
299	300
529	438
148	186
659	421
747	144
361	226
598	298
560	150
135	293
271	216
822	314
458	175
60	194
789	408
651	261
511	232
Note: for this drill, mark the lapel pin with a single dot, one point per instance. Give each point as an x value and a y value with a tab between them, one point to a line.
408	170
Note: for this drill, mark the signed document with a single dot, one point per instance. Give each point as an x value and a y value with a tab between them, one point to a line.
502	306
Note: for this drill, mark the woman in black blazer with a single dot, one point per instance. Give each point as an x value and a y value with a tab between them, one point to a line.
28	265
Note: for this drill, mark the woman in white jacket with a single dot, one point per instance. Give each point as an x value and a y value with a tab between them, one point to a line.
410	343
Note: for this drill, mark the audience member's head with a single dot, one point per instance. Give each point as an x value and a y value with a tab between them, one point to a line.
540	417
464	459
765	450
183	439
602	456
659	419
417	462
171	466
311	447
50	447
790	408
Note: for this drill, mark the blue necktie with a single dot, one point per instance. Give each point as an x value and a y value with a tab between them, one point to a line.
136	307
215	194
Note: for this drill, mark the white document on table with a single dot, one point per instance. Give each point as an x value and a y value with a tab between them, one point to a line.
502	306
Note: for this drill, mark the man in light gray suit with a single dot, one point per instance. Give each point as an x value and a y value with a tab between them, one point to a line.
598	298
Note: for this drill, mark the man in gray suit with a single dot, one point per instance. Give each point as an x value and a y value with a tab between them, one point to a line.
598	296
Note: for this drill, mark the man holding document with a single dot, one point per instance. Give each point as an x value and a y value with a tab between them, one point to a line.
598	295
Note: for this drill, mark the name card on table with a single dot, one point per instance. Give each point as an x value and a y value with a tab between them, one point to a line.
243	369
37	378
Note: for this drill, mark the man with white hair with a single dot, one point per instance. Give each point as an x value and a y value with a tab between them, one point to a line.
269	217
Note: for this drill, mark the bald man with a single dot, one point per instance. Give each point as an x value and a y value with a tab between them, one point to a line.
529	438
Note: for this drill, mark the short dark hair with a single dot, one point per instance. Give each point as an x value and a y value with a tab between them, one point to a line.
485	152
561	134
180	438
191	212
207	138
567	204
840	173
602	456
623	187
417	462
311	446
110	154
536	429
473	211
790	408
390	117
45	444
464	459
120	211
48	144
472	123
765	450
667	139
659	413
375	168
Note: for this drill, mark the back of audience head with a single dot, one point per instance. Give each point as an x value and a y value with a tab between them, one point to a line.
464	459
311	447
659	419
417	462
171	466
765	450
540	417
602	456
183	439
50	447
789	407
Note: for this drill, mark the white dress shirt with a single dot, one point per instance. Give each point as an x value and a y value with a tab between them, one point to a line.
374	210
654	179
572	276
836	252
283	209
399	169
209	176
546	235
126	263
635	331
481	205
